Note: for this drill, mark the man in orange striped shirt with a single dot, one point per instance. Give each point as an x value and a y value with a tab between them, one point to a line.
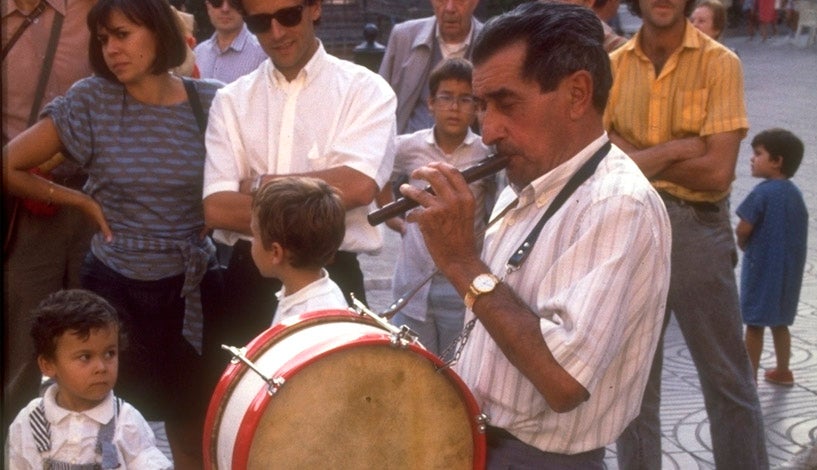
677	108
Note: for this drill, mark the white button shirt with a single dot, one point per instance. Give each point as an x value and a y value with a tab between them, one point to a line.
597	277
334	113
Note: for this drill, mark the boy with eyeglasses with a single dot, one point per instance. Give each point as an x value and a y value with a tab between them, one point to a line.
436	311
301	113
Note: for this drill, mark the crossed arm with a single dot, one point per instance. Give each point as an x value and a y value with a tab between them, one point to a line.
696	163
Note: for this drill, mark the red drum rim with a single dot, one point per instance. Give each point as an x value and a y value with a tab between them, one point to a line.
310	355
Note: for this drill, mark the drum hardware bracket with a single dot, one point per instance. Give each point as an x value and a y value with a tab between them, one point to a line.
482	422
400	336
273	383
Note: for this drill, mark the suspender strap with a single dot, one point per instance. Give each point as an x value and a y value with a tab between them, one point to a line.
585	172
29	18
50	52
40	428
195	103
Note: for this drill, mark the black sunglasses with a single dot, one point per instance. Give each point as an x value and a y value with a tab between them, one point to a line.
217	3
262	22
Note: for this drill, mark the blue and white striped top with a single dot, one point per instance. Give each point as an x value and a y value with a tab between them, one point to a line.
145	165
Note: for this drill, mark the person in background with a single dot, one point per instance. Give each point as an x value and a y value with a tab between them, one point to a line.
415	47
557	362
772	232
435	312
304	113
298	223
43	246
232	51
710	17
78	422
137	129
677	108
612	41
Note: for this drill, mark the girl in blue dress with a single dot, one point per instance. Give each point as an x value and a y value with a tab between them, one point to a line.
772	233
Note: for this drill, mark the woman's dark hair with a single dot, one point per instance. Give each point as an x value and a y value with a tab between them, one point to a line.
72	310
781	143
561	39
155	15
635	7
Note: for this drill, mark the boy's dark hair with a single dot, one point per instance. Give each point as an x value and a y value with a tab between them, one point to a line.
304	215
781	143
560	39
155	15
76	310
635	7
454	68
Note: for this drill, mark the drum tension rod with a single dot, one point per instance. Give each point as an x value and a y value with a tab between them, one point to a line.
400	336
273	384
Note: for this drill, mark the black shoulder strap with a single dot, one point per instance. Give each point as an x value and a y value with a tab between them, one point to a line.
195	103
38	10
585	172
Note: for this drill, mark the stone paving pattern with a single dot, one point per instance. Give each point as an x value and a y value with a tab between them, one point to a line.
781	91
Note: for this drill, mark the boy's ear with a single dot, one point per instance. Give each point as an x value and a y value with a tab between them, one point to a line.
777	161
277	253
47	367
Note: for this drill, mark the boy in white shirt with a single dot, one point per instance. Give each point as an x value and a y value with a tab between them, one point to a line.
79	423
298	223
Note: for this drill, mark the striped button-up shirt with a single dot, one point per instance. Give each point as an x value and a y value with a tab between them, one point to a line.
597	277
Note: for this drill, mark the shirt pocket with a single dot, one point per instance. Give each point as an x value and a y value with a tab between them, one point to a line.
690	112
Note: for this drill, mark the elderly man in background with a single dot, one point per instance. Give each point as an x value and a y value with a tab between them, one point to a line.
416	46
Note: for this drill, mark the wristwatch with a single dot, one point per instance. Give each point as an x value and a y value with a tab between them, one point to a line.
483	284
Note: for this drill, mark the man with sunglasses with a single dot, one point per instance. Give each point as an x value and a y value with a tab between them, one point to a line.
232	51
415	47
303	112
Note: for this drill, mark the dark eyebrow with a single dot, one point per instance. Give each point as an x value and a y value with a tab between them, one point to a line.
497	95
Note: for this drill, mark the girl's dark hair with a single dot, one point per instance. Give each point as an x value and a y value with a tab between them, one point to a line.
781	143
155	15
76	310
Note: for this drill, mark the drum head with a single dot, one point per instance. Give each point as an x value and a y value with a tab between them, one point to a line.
367	406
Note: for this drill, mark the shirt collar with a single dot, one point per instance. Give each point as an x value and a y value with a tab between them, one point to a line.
542	190
54	413
470	138
468	37
691	40
306	74
11	7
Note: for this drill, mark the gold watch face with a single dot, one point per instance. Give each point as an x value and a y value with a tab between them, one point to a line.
484	283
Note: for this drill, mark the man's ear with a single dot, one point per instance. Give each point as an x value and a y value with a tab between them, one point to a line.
47	367
580	87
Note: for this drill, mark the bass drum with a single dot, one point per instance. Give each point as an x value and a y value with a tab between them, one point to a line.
345	396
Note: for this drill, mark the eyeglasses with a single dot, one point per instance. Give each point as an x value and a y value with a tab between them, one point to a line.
462	101
262	22
217	3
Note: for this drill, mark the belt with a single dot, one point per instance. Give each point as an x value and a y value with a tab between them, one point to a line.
702	206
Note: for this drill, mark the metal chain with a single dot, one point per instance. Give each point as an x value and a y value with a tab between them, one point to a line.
459	342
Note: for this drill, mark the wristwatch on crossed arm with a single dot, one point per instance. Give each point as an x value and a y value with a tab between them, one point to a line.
483	284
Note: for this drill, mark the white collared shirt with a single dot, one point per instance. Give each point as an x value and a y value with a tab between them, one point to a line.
334	113
597	277
74	436
322	294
